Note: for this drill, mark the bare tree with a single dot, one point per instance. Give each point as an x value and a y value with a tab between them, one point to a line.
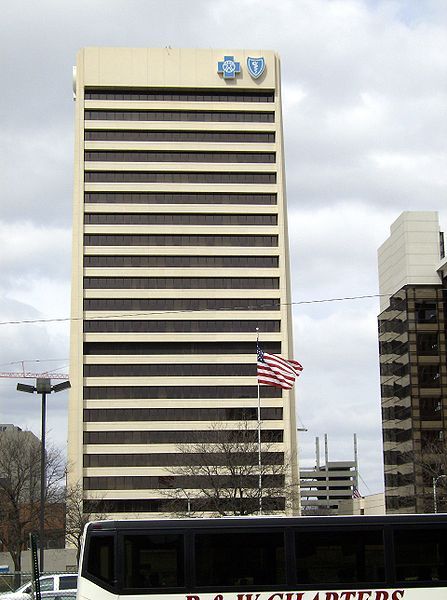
421	468
227	476
76	519
20	488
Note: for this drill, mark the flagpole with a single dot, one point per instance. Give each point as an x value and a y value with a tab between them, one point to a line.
259	432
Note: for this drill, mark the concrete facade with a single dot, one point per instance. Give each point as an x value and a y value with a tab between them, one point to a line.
413	366
180	252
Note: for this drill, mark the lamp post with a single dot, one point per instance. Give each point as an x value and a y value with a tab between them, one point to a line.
43	386
435	498
182	491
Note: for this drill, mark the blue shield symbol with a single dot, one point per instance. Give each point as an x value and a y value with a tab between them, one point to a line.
256	66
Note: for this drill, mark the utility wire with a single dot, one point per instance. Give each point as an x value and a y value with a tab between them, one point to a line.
164	312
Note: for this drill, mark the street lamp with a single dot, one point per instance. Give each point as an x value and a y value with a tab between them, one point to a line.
435	498
43	386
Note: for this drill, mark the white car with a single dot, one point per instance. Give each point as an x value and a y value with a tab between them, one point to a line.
48	583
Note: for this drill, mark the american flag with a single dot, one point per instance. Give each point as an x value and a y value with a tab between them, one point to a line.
277	371
356	493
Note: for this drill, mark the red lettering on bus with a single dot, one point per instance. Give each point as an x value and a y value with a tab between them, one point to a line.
272	597
250	596
295	595
192	597
362	596
381	595
398	595
348	595
331	596
219	597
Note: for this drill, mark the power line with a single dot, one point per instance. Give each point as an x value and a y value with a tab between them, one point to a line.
164	312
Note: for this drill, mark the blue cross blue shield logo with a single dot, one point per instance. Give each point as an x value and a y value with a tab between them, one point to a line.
228	67
256	66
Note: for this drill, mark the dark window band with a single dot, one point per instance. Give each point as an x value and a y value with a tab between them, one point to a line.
178	198
178	95
160	348
145	260
207	116
223	241
178	219
178	392
156	505
109	415
135	482
181	437
178	283
178	156
143	304
173	459
137	135
172	369
181	177
182	326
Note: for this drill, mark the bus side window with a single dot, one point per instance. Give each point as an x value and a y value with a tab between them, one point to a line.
153	561
345	556
237	559
101	557
420	554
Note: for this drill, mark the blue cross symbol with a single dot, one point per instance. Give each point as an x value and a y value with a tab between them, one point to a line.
228	67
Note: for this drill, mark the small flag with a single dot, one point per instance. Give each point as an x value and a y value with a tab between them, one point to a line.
277	371
356	494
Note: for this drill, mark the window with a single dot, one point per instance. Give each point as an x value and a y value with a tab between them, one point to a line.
179	437
181	240
239	559
155	326
170	459
180	392
429	376
430	408
177	219
126	348
175	283
101	558
427	343
105	415
153	561
180	115
426	312
68	582
259	137
339	557
179	95
420	554
237	262
47	584
182	177
178	198
140	304
182	156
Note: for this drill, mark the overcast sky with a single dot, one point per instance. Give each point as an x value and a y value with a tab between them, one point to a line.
365	97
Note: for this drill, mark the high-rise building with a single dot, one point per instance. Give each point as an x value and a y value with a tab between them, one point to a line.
413	367
180	255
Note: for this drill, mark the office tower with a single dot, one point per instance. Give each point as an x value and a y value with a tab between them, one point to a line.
413	369
180	255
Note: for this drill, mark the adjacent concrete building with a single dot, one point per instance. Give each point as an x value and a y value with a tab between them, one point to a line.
413	368
180	253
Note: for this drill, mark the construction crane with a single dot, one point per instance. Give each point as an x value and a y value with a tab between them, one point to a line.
24	374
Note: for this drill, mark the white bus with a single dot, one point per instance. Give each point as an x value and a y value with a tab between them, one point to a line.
266	558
